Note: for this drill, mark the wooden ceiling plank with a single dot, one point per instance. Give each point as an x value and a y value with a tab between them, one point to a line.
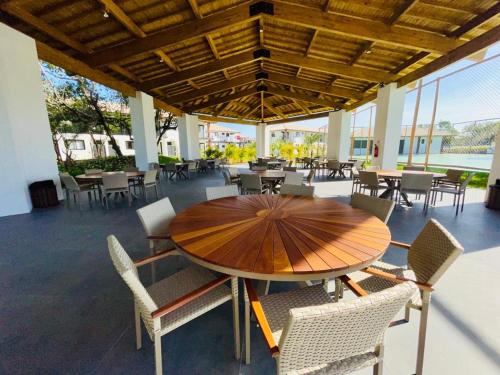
363	28
219	100
176	34
304	98
226	119
274	110
195	8
476	21
212	46
400	10
483	41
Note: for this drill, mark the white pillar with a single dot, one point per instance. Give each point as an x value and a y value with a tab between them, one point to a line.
189	140
387	133
142	115
262	140
495	164
339	140
26	150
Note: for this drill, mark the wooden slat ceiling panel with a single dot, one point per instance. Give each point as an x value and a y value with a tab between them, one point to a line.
316	67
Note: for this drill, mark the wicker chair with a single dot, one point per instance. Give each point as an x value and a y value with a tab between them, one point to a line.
333	167
419	184
192	168
293	178
308	179
457	191
429	256
252	184
308	334
217	192
175	300
306	191
149	181
74	189
155	219
114	183
381	208
369	180
290	169
171	170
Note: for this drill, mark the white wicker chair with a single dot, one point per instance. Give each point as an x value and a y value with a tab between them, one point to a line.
307	191
216	192
381	208
252	184
175	300
114	183
155	219
74	189
308	334
429	256
419	184
150	181
369	180
293	178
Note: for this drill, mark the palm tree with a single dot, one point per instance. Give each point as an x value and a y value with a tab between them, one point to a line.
310	140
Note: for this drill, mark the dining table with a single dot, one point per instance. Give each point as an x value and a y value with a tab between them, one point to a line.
279	237
96	178
392	177
342	165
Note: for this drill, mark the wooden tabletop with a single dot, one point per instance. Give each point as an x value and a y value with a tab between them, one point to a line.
397	174
274	237
98	176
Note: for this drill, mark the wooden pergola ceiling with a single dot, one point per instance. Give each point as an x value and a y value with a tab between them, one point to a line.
255	60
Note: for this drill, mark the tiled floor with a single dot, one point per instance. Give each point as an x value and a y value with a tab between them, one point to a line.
64	310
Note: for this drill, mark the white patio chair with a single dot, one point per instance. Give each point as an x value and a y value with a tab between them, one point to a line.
192	168
381	208
252	184
150	181
306	191
333	167
308	334
155	219
456	191
417	183
429	256
175	300
114	183
216	192
369	180
293	178
74	189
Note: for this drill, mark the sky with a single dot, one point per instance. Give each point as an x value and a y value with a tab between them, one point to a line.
472	94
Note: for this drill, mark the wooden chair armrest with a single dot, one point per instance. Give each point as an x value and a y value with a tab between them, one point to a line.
165	237
184	300
152	258
395	278
401	245
261	319
353	286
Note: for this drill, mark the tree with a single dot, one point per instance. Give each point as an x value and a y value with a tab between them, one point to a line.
164	121
310	140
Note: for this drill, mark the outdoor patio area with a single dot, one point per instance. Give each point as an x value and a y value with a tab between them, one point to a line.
66	311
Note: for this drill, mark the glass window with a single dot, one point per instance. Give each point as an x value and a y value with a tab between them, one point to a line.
77	145
129	145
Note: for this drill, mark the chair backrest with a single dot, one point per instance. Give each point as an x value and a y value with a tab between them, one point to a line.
373	168
114	180
454	174
93	171
128	272
68	181
416	181
233	172
293	178
216	192
369	178
170	167
466	182
290	169
381	208
150	177
250	181
192	165
433	252
333	164
259	168
154	166
319	335
414	168
227	177
203	163
358	164
131	169
304	190
156	217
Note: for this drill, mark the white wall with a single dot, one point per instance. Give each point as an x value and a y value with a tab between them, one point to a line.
339	135
142	115
262	134
189	141
26	150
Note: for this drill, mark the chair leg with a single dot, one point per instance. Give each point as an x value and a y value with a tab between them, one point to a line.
138	335
338	286
153	266
158	360
463	201
407	313
378	367
426	299
247	326
458	204
236	317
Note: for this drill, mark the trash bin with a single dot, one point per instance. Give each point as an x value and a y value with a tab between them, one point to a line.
43	194
494	196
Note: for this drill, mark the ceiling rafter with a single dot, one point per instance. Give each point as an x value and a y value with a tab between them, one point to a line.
220	99
274	110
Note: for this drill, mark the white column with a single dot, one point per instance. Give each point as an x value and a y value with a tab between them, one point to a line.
387	133
495	164
142	115
189	140
262	140
26	150
339	140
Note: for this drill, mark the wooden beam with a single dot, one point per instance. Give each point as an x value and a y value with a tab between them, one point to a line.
160	104
274	110
476	21
212	46
226	119
221	99
211	89
412	60
327	5
194	7
362	28
484	40
304	98
366	74
300	118
124	72
314	86
198	71
367	99
401	9
176	34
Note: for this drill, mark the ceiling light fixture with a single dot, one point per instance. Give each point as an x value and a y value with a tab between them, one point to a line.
105	14
368	51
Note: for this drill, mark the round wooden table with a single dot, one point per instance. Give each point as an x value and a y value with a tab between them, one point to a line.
274	237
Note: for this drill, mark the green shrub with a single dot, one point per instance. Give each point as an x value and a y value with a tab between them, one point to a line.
213	153
109	164
162	159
